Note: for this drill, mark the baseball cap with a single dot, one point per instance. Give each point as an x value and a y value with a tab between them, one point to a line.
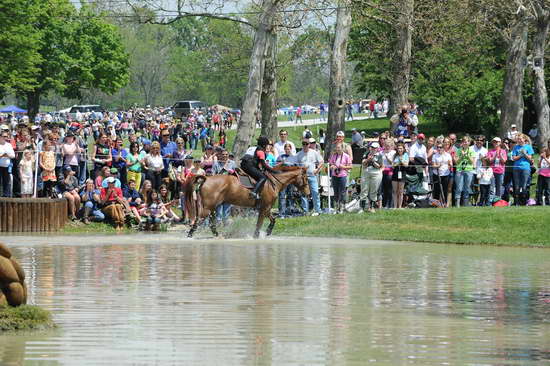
4	127
376	145
513	126
497	139
114	171
67	168
421	136
208	147
354	129
110	180
340	133
311	140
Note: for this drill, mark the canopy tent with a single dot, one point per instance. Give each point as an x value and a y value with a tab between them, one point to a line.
220	107
12	109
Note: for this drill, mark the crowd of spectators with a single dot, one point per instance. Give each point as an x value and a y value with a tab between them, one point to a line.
130	167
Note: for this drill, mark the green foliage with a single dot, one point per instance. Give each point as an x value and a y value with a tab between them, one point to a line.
50	46
24	317
19	58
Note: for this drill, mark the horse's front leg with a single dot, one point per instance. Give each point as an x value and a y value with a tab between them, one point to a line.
271	223
259	224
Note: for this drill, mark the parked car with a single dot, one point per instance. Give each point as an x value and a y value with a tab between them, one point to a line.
184	107
85	108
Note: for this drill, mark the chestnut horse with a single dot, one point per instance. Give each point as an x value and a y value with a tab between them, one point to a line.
204	194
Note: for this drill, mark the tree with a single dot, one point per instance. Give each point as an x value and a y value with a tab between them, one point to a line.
542	27
77	50
19	57
338	59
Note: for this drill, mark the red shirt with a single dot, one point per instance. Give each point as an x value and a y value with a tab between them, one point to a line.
260	154
115	192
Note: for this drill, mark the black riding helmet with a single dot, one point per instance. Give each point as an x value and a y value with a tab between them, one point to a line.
263	141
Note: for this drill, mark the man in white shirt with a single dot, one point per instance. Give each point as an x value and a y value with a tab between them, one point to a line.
280	145
356	138
6	154
512	133
417	149
479	150
313	161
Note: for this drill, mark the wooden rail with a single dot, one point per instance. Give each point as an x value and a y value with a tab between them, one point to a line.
32	214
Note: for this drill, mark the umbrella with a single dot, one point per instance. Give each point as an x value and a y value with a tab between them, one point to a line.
12	109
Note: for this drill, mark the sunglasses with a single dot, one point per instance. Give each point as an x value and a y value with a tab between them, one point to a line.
305	143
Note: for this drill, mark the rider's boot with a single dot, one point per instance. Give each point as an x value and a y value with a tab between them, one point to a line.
258	189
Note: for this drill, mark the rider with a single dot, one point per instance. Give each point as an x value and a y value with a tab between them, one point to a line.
255	164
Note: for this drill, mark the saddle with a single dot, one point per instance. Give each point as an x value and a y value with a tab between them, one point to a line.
244	179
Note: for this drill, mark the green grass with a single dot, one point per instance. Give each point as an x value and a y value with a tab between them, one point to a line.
510	226
24	317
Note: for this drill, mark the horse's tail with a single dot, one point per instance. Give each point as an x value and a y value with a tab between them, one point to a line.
193	197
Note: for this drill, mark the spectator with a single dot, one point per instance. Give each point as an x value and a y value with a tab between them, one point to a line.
224	166
497	160
522	155
208	160
339	165
371	176
69	189
283	140
26	172
512	133
356	139
112	201
47	164
90	198
71	151
340	135
442	161
465	162
388	153
120	156
544	174
400	164
312	160
485	176
134	164
101	155
287	158
153	165
6	156
132	196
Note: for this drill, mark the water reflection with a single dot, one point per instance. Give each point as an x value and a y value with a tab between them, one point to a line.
161	300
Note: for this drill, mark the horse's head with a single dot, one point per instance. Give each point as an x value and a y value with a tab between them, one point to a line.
301	181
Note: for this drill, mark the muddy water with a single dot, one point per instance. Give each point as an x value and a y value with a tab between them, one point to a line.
145	300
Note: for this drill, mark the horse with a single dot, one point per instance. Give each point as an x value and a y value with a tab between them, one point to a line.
203	194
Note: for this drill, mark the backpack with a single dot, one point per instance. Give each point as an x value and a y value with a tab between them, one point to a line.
308	135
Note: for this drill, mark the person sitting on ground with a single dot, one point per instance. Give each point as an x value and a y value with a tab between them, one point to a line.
69	188
155	212
90	198
133	198
168	204
255	165
112	201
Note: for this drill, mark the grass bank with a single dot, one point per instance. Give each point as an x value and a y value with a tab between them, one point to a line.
24	317
510	226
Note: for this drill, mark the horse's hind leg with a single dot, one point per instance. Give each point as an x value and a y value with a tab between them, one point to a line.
213	223
259	224
271	224
193	229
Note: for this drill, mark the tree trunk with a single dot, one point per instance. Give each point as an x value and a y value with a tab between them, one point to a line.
33	104
512	97
247	123
338	58
402	64
268	105
541	94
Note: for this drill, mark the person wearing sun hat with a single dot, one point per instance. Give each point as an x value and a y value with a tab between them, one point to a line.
112	199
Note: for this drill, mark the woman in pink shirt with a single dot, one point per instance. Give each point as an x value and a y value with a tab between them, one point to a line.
544	173
339	164
497	159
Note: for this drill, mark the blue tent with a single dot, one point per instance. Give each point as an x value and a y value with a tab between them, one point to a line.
12	109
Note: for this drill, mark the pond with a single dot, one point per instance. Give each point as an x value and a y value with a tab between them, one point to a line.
161	299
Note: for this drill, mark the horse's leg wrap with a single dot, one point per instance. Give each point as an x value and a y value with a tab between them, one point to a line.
213	224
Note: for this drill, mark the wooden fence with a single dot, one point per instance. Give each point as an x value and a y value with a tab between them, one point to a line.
32	214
